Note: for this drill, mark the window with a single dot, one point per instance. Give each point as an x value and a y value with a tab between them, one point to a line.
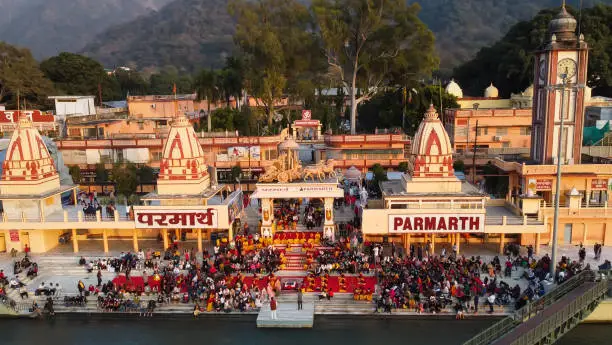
140	126
482	131
461	131
505	144
501	131
525	130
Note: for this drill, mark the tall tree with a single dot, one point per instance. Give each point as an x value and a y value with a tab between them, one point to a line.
232	79
207	87
131	82
76	74
278	44
162	82
371	44
20	73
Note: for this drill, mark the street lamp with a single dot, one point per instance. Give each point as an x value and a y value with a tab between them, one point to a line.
563	87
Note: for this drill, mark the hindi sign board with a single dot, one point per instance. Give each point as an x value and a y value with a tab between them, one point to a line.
298	190
204	218
420	223
599	184
14	235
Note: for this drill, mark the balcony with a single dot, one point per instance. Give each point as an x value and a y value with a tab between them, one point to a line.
339	140
71	217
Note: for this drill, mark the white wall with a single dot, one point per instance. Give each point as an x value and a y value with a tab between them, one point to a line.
77	106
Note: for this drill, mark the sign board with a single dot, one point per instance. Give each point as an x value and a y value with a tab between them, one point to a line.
536	185
599	184
243	152
306	114
298	190
419	223
307	123
204	218
234	206
14	235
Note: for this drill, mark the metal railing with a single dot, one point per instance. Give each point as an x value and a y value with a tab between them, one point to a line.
564	316
17	307
502	327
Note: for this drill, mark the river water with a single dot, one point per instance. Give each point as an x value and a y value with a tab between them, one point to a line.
241	330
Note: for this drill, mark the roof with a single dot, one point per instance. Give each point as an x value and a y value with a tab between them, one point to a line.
395	188
115	104
70	97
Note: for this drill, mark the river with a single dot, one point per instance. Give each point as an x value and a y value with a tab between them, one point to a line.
70	330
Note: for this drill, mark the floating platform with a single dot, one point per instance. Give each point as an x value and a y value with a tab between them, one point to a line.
287	315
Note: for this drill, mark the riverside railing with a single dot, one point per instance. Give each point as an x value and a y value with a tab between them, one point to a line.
522	315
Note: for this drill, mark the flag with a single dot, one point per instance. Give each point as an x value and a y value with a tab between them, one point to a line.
174	88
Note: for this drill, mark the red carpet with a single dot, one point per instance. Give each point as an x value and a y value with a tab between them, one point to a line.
351	283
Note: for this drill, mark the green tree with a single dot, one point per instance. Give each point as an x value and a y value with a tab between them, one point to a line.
403	167
380	173
101	174
75	74
75	173
371	44
207	87
162	82
236	172
20	74
509	63
459	165
232	80
131	82
278	45
146	175
125	178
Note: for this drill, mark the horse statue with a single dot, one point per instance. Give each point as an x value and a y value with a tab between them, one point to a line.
328	168
313	171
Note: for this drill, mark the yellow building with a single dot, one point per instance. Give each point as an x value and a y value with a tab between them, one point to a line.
430	204
186	201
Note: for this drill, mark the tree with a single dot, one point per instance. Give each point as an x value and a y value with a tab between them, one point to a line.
371	44
75	173
459	165
403	167
509	63
278	45
207	87
161	83
146	175
130	82
101	174
20	74
125	178
380	173
232	80
75	74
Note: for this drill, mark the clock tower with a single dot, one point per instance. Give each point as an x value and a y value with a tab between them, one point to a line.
562	56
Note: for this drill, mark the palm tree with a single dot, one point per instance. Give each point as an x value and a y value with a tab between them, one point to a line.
232	79
207	88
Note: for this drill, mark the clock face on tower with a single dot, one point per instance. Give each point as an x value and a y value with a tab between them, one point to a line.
542	72
567	69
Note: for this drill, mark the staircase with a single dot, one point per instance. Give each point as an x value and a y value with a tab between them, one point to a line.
295	256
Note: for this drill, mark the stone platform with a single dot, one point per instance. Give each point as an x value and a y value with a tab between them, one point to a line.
287	314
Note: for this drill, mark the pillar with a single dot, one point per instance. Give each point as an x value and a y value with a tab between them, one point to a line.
537	243
199	240
450	239
105	240
267	216
458	241
75	241
165	236
328	211
433	244
135	239
584	234
502	237
177	234
230	234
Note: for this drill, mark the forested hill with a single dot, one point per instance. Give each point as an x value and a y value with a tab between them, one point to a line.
195	34
48	27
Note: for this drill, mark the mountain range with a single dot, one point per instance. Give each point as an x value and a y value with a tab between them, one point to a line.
192	34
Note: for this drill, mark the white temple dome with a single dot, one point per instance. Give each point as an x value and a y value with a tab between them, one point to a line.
432	154
454	89
183	168
491	92
28	167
